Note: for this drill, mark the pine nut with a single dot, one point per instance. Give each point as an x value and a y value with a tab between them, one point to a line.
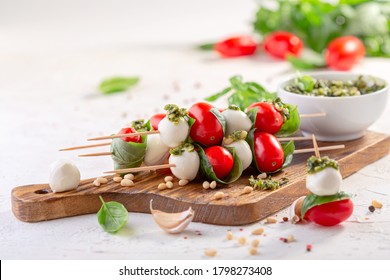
127	183
227	141
262	176
102	180
253	251
258	231
210	252
129	176
169	184
162	186
183	182
290	238
229	235
243	134
241	240
219	195
96	183
295	219
206	185
248	189
377	204
168	179
255	243
271	220
117	179
213	185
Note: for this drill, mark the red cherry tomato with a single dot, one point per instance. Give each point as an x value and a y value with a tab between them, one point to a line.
268	119
126	130
330	214
206	130
269	153
279	44
155	120
344	52
221	160
236	46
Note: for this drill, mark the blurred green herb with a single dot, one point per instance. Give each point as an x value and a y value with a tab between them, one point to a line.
317	23
206	47
117	84
243	94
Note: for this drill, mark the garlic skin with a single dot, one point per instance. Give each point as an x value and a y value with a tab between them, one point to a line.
243	151
156	151
236	120
172	222
171	134
64	176
187	165
325	182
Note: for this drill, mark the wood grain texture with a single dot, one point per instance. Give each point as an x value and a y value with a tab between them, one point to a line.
34	203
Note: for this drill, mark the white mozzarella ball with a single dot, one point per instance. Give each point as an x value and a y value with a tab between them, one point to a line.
243	151
172	134
156	151
64	176
236	120
325	182
187	165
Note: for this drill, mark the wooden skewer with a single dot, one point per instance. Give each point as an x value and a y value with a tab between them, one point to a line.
85	146
316	151
96	154
124	135
326	148
314	115
299	138
142	168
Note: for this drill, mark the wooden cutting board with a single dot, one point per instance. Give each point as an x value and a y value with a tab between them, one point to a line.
34	203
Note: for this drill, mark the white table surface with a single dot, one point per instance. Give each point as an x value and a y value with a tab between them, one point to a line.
52	56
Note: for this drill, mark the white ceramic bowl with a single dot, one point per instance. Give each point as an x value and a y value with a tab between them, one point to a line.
346	118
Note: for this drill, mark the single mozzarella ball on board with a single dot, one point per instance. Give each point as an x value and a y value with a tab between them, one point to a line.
243	151
187	165
236	120
64	176
172	134
325	182
156	151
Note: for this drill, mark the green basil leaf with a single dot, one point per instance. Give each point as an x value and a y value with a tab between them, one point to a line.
288	150
291	125
206	47
117	84
250	139
220	118
314	200
112	216
252	114
208	172
305	64
218	95
128	154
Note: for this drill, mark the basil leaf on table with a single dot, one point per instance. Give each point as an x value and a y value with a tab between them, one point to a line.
112	216
128	154
291	125
207	170
313	200
117	84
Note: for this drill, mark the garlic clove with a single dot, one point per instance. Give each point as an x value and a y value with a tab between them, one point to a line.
172	222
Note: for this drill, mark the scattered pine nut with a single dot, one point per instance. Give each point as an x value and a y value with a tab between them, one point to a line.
129	176
206	185
377	204
169	185
295	219
168	179
262	176
258	231
271	220
253	251
127	183
219	195
96	183
117	179
290	238
255	243
248	189
102	180
213	185
183	182
242	240
229	235
162	186
210	252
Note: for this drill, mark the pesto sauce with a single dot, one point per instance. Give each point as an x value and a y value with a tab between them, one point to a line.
307	85
181	149
315	164
267	183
